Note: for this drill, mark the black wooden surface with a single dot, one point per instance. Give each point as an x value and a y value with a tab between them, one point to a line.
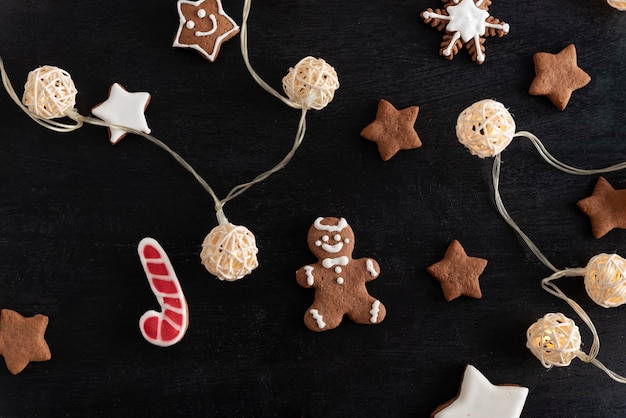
73	208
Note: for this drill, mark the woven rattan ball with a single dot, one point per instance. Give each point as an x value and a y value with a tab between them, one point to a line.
554	340
312	83
605	280
618	4
485	128
49	92
229	252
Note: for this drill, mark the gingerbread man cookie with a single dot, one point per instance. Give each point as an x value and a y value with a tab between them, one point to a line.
338	280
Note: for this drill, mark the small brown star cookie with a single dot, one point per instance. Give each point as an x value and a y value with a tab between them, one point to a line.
557	76
22	339
606	207
458	273
393	130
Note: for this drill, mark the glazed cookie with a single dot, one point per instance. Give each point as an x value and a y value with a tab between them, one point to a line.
123	109
204	26
338	280
167	327
477	397
465	22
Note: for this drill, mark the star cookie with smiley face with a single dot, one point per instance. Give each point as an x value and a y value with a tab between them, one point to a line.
338	280
204	26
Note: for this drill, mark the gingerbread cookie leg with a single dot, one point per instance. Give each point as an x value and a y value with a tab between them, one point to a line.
371	311
316	318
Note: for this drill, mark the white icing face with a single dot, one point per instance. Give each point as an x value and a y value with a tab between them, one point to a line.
330	237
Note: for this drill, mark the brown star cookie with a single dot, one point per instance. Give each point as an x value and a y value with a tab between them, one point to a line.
606	207
458	273
393	130
204	27
22	339
557	76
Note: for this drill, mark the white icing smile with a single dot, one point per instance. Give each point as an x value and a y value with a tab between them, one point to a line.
332	248
213	28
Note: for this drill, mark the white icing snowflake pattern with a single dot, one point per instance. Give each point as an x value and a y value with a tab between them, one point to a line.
465	22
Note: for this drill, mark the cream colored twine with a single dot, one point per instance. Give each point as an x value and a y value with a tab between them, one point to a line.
309	85
486	128
547	283
553	162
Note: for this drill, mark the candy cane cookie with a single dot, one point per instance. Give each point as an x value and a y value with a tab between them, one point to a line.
168	326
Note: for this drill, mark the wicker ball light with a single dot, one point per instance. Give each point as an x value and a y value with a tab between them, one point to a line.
229	252
311	82
486	128
49	92
554	340
605	280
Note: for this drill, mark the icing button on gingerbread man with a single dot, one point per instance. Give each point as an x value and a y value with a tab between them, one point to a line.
338	280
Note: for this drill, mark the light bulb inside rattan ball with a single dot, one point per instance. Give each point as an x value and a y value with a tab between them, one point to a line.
618	4
311	82
554	340
605	280
486	128
49	92
229	252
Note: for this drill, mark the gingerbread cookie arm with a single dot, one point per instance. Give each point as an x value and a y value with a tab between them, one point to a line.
372	269
305	276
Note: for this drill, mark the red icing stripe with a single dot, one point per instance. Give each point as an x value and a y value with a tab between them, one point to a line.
150	327
157	268
150	252
175	317
173	302
164	286
168	332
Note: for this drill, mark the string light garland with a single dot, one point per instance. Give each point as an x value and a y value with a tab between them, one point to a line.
486	128
229	251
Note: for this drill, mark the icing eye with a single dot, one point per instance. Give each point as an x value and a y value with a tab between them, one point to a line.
337	237
347	240
325	238
201	13
318	243
190	24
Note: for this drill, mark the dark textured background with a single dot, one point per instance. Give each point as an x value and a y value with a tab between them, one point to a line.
73	209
